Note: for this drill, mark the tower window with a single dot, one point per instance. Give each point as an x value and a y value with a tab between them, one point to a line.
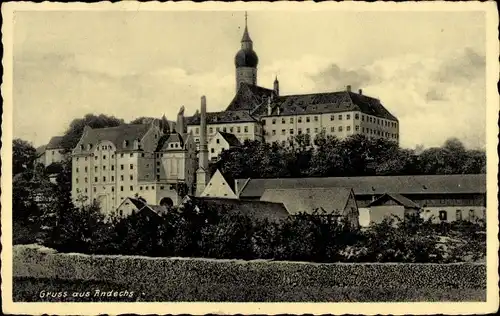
348	116
356	116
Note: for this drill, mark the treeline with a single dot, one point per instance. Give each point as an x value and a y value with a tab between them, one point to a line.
353	156
214	233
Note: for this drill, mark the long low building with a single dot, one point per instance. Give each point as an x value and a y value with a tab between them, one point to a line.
442	197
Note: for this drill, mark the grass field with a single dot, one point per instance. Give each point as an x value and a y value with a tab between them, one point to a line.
29	289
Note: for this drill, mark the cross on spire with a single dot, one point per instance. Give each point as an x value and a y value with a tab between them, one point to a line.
246	18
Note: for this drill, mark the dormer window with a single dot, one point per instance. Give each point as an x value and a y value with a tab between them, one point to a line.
89	146
125	143
81	147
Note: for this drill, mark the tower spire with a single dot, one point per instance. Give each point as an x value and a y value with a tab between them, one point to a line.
246	37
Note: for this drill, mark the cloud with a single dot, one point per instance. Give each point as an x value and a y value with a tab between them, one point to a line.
333	76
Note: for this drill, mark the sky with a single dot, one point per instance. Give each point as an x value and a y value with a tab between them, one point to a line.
427	68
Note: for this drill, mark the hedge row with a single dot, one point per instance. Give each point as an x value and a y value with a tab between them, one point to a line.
208	278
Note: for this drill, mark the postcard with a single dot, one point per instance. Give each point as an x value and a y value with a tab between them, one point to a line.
250	158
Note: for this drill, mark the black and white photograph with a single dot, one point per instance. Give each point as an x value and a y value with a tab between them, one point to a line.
200	154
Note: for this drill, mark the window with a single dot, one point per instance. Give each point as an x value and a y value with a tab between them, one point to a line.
131	177
147	188
121	155
211	130
340	117
357	128
131	167
308	119
299	131
85	158
95	168
332	117
121	177
231	129
76	169
212	150
443	215
472	216
95	179
161	187
131	154
121	167
142	155
274	132
86	180
291	131
95	189
458	216
86	190
103	179
76	180
283	132
282	121
224	129
121	188
103	156
362	129
356	116
340	128
348	128
238	129
112	189
131	188
112	178
274	121
197	130
308	130
112	167
299	119
362	117
245	129
332	129
95	158
103	167
315	118
157	178
140	188
291	120
316	130
283	143
217	141
348	116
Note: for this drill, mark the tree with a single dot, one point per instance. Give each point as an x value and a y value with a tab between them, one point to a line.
75	129
23	156
142	120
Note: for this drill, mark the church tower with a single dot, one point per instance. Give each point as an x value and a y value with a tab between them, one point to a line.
246	61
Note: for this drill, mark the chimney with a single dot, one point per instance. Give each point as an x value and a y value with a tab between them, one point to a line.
348	88
201	174
276	87
360	91
179	126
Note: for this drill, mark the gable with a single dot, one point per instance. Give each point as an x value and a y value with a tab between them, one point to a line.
218	186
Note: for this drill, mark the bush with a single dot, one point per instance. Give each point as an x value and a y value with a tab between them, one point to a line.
202	231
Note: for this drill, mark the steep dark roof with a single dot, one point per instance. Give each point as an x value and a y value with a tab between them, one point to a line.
231	139
422	184
222	117
144	206
310	200
331	102
54	168
54	143
40	150
117	135
398	198
253	209
249	97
